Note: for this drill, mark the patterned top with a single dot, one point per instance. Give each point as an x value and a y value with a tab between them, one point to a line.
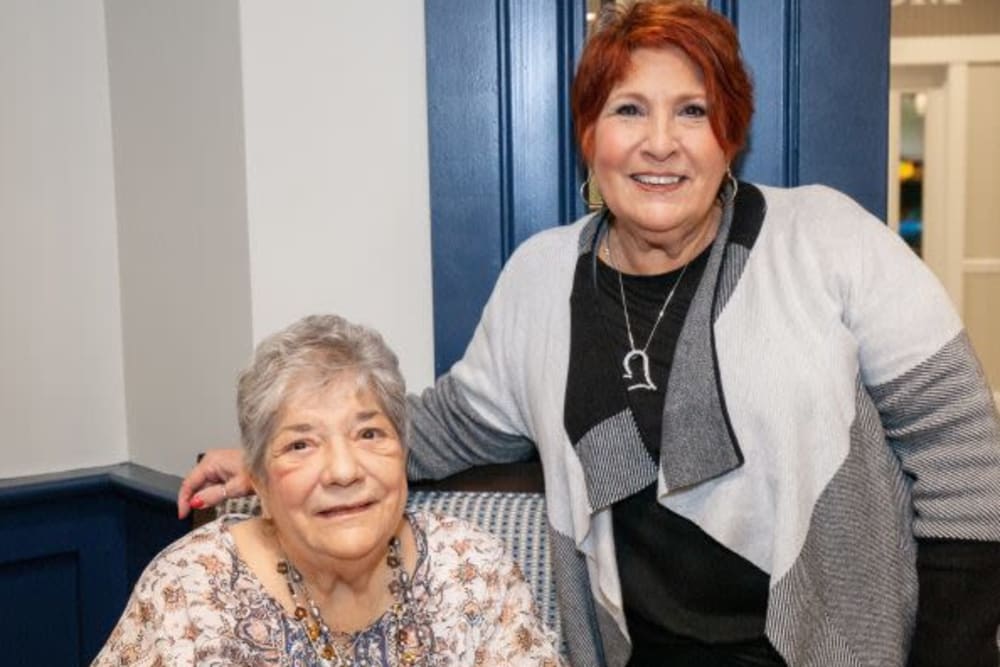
199	603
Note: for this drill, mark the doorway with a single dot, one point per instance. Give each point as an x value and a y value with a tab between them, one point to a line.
944	144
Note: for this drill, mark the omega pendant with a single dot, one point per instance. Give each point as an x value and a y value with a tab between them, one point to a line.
630	360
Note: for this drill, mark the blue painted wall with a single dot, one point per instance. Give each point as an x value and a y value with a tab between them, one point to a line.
502	160
71	547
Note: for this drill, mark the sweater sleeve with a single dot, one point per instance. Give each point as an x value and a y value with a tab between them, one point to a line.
941	422
959	612
940	419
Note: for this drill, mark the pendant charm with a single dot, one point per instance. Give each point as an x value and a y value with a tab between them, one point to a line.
629	361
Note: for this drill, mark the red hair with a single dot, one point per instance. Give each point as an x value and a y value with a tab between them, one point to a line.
707	38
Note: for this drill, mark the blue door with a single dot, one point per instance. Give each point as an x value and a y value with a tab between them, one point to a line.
502	160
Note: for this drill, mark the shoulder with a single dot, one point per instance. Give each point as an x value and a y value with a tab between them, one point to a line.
200	556
814	205
463	556
820	211
818	227
562	238
550	249
458	539
539	273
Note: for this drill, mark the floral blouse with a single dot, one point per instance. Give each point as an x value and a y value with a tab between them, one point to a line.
198	603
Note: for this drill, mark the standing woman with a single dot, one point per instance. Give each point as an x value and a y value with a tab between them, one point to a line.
765	437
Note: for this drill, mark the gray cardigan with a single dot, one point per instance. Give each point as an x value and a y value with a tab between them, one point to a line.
824	410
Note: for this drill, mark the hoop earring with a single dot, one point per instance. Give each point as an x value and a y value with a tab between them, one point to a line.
591	198
730	197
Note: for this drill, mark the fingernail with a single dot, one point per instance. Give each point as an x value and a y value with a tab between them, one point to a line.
197	503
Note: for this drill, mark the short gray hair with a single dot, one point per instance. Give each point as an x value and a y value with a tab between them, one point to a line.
317	349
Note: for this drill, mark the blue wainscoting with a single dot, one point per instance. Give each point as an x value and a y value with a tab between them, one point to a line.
72	545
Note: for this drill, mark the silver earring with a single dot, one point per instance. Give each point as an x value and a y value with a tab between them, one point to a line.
728	197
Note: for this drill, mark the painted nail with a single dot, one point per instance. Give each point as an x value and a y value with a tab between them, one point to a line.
197	503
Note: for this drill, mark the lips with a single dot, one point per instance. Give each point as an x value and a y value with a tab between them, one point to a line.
345	509
657	179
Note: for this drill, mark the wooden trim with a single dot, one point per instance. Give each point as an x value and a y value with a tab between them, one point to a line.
511	477
126	478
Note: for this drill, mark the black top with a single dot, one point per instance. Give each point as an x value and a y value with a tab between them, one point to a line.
687	598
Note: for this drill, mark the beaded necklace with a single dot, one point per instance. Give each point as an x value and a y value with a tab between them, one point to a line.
410	633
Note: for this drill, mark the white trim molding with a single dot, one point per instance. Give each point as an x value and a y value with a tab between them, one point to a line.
956	162
981	265
937	50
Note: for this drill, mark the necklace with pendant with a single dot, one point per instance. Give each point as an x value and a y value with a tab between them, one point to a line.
410	632
637	355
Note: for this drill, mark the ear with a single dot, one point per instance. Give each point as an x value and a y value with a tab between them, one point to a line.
587	146
260	488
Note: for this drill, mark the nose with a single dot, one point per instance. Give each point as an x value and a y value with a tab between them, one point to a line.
661	140
340	466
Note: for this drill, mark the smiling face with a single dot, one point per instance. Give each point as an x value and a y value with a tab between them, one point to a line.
335	474
656	160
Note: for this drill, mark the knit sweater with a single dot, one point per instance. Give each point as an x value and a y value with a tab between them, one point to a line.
824	412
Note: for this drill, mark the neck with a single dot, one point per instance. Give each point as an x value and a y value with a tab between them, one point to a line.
645	255
350	593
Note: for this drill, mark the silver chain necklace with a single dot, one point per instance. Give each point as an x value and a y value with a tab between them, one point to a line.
634	353
410	631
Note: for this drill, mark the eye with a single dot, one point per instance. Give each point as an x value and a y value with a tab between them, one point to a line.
370	433
296	446
694	111
627	110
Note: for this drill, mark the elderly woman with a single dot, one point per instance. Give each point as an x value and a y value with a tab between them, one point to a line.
765	437
334	571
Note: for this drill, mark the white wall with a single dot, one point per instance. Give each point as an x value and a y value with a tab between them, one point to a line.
337	176
218	240
177	108
62	402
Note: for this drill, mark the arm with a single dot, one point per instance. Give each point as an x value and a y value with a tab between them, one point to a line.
476	413
940	420
447	435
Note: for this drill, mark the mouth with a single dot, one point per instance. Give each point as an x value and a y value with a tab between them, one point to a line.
345	510
657	180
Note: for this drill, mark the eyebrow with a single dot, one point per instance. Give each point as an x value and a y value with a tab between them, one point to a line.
297	428
363	416
366	415
677	94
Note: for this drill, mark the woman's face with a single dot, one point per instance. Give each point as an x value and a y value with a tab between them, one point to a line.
656	160
335	470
